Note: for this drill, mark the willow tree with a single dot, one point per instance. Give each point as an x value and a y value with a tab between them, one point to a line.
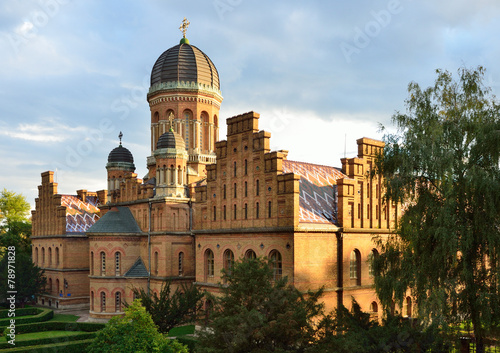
442	166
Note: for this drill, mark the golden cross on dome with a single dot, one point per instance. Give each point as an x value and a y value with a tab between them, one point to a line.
184	26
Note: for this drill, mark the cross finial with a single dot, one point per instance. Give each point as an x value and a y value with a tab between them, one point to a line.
120	137
184	26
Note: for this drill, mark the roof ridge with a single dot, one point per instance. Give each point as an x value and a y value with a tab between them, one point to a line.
319	165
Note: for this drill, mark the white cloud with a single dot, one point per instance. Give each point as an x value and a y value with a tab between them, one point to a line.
47	130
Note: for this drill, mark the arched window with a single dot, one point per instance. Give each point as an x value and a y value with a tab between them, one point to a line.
235	191
209	263
257	210
371	257
234	211
407	307
181	263
269	213
50	286
246	167
50	257
91	263
276	264
246	211
257	187
103	302
58	288
43	257
355	266
374	307
156	262
234	167
224	191
228	261
215	213
250	254
36	256
92	301
103	263
246	189
224	212
57	257
117	263
118	302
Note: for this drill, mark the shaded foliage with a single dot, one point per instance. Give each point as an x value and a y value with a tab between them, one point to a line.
256	314
169	310
353	331
442	165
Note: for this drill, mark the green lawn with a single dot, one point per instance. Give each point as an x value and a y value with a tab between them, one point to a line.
181	331
45	334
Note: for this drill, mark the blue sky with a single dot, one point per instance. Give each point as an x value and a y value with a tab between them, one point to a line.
74	73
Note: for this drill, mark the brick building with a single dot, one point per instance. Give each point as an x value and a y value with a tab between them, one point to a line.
205	203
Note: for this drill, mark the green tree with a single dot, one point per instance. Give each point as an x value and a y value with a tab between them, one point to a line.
134	332
442	165
347	331
257	314
13	207
170	310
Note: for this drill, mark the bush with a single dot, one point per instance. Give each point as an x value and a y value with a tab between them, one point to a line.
49	340
64	347
20	312
188	341
43	315
57	326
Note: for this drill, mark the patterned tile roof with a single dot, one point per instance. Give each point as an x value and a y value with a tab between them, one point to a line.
318	191
80	215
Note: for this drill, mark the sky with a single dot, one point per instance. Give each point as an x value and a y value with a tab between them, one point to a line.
75	73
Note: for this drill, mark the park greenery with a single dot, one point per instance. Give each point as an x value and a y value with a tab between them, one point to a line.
15	233
168	309
442	166
134	332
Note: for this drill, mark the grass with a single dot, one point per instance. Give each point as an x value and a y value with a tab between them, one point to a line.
45	334
181	331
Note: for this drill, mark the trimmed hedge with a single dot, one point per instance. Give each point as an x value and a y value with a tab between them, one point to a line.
43	315
20	312
189	341
50	340
65	347
57	326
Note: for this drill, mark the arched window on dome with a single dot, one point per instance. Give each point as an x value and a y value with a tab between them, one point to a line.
205	132
189	128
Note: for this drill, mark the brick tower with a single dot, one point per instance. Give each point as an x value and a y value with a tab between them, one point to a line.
185	96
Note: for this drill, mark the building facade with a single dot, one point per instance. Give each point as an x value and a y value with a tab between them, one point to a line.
205	203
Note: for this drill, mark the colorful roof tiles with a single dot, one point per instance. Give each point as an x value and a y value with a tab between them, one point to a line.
80	215
318	191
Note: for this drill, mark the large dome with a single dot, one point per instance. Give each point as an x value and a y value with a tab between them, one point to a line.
185	62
